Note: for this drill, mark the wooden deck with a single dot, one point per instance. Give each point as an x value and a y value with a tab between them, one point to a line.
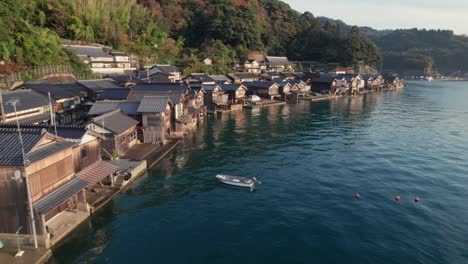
149	152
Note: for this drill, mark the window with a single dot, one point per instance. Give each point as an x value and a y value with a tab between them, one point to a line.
84	152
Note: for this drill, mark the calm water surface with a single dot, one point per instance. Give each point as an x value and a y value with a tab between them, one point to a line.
311	158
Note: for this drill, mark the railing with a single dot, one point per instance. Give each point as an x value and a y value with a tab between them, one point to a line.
8	80
83	43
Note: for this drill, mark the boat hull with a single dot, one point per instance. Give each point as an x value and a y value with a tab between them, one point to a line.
236	181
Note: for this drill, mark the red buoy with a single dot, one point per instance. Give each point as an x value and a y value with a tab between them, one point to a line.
397	198
416	200
357	195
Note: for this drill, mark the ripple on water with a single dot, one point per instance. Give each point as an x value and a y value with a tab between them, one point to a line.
311	158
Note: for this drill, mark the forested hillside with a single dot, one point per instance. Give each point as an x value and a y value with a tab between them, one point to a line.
177	31
414	51
434	50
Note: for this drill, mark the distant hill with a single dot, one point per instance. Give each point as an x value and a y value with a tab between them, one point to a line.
416	51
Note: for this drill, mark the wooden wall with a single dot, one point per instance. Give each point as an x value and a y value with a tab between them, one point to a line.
50	177
13	202
93	154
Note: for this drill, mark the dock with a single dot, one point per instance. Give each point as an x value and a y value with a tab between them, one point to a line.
265	103
135	162
323	97
152	153
31	255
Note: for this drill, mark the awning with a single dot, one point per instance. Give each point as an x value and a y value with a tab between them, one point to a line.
97	172
60	195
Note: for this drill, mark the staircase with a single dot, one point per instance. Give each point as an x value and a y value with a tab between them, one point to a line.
120	181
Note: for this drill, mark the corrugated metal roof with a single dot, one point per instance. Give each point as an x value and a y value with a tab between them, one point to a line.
277	61
25	100
59	195
49	150
114	94
115	121
104	107
153	104
36	119
97	172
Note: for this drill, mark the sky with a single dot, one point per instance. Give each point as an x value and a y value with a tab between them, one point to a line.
392	14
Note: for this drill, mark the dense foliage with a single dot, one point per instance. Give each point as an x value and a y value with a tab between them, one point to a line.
176	31
24	41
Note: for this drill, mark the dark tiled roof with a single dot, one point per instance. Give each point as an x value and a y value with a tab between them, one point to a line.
10	147
210	87
322	80
218	78
120	79
233	77
49	150
100	85
246	75
347	77
258	85
59	195
294	82
25	100
89	51
114	94
58	90
64	131
137	96
103	107
167	68
299	74
158	87
115	121
391	78
201	77
160	77
231	87
153	104
288	75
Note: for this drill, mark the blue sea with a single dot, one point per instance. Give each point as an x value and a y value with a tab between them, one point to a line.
311	158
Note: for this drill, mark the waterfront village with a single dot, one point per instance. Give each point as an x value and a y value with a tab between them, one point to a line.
69	147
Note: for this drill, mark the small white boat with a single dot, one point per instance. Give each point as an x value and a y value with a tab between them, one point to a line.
238	181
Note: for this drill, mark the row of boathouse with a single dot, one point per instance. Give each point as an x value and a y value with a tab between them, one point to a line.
58	140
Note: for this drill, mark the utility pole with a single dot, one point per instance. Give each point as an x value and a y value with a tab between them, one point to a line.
26	176
2	107
52	116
